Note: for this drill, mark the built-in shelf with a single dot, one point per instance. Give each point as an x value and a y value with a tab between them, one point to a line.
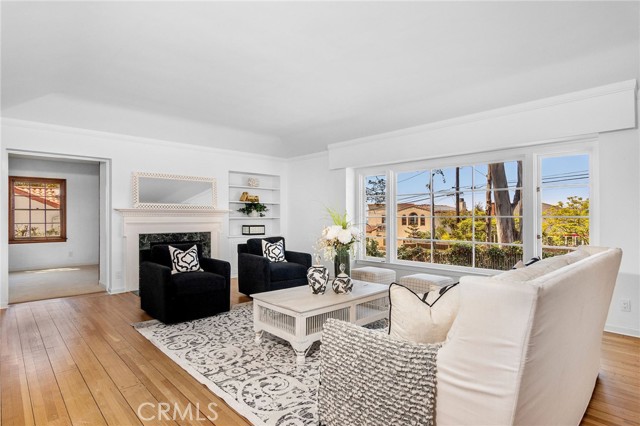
268	191
253	218
247	202
257	188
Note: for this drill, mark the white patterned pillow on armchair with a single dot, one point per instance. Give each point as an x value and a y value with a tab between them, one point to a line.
184	261
273	251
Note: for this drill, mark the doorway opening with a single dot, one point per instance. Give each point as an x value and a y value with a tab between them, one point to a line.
56	225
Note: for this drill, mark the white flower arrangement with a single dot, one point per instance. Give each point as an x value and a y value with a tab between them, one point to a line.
339	237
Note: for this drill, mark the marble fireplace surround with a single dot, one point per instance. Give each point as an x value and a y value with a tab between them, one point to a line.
155	221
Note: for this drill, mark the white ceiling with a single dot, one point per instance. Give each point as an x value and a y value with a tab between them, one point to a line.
288	78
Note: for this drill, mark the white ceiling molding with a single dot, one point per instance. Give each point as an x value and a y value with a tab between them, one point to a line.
108	136
606	108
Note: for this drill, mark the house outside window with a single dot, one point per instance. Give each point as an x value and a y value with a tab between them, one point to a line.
37	210
485	215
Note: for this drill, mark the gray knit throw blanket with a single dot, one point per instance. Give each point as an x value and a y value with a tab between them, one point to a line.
368	378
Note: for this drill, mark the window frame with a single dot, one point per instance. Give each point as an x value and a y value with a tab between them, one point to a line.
531	215
539	219
63	211
361	214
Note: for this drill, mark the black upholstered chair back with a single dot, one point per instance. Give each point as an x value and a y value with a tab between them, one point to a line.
257	274
160	252
254	245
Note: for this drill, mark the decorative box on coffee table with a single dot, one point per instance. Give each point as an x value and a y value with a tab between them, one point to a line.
297	316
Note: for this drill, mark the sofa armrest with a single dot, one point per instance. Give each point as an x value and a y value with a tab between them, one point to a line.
368	377
298	257
254	274
215	266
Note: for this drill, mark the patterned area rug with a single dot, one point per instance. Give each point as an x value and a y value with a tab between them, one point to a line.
260	381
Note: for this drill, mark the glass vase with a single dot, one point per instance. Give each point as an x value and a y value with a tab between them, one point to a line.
342	257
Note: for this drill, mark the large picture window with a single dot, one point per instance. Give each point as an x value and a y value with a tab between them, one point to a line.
471	215
36	210
479	215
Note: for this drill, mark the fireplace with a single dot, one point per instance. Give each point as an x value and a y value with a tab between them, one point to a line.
141	226
145	241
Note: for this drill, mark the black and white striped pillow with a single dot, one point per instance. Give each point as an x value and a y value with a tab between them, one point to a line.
184	261
273	251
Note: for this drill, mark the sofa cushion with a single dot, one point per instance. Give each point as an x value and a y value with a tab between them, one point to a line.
577	255
274	251
541	267
282	271
534	271
184	261
422	318
198	283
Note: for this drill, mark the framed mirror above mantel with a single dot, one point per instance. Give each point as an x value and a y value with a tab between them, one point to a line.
159	191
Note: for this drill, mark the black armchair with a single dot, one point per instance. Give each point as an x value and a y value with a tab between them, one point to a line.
183	296
256	274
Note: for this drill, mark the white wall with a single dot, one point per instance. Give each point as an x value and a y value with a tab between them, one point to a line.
619	223
313	189
125	156
82	245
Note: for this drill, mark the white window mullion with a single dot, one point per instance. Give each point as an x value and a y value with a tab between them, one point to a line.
531	202
392	241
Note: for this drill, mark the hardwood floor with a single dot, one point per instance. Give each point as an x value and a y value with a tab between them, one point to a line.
78	361
40	284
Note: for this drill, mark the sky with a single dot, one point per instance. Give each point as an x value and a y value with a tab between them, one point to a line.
561	177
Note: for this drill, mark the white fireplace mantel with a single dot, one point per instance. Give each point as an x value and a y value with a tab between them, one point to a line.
156	221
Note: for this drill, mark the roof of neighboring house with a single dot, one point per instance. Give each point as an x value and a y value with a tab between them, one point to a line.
407	206
47	196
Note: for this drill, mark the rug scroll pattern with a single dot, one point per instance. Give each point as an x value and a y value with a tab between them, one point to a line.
260	381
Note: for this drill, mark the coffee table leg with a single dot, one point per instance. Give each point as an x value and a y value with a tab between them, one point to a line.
301	352
259	336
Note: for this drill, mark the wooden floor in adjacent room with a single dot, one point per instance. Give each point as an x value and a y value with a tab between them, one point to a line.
51	283
78	361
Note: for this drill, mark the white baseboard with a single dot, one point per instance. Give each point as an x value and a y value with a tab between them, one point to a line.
118	290
622	330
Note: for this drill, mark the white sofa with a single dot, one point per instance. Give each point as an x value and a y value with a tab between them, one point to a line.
524	349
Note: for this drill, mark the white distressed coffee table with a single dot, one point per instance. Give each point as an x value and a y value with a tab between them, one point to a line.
297	315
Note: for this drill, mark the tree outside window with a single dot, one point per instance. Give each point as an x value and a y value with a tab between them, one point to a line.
564	197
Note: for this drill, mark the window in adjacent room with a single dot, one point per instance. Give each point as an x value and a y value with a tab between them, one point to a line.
37	210
375	215
564	203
